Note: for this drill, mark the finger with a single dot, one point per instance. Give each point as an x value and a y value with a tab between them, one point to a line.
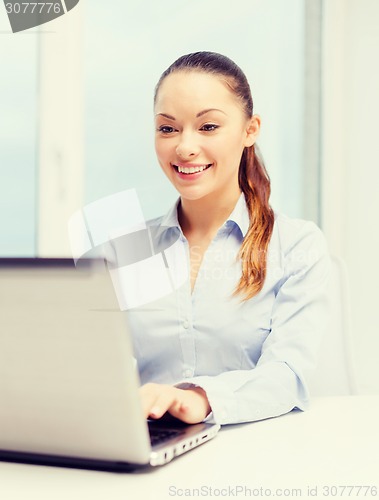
193	407
165	401
148	394
179	409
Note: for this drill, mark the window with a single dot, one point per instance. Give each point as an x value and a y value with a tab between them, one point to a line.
77	113
18	141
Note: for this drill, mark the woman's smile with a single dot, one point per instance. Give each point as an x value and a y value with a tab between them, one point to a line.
190	171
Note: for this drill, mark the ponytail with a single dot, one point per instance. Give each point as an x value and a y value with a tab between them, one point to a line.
255	184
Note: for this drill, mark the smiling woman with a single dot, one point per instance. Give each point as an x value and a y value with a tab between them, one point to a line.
208	145
234	342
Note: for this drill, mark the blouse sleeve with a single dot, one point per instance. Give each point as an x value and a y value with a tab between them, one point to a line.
277	384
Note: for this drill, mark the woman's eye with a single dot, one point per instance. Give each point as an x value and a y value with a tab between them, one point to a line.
166	129
209	127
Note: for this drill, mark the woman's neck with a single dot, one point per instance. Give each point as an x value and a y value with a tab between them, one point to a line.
206	215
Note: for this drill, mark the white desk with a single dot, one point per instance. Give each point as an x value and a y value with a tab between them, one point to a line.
335	443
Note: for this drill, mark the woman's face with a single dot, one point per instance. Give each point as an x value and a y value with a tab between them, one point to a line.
201	132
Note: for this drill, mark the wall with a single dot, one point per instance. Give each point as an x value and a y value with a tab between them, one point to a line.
351	166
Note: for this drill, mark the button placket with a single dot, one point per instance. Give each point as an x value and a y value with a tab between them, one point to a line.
187	339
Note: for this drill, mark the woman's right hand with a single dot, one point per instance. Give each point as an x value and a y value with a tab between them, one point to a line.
188	405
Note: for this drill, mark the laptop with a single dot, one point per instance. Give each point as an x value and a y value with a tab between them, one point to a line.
68	379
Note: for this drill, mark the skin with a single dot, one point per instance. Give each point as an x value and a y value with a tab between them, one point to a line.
199	122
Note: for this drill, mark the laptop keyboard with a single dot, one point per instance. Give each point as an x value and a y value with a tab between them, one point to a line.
158	435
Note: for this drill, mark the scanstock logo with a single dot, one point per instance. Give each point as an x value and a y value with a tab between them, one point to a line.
146	259
26	15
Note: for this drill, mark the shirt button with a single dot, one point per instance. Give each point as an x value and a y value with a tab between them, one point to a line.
187	373
185	324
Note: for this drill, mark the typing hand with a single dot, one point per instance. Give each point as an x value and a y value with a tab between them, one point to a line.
189	405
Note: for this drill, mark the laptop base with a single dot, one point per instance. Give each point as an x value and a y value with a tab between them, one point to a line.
70	462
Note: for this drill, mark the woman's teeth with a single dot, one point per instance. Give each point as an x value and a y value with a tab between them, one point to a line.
191	170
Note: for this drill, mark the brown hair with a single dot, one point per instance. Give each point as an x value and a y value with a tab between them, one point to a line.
252	177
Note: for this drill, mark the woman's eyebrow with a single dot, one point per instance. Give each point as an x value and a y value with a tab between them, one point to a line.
166	116
201	113
208	110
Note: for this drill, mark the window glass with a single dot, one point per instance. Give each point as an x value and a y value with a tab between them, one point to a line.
129	44
18	95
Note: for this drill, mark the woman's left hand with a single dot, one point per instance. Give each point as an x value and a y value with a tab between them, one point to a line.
189	405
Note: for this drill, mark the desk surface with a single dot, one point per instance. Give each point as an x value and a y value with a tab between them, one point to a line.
334	444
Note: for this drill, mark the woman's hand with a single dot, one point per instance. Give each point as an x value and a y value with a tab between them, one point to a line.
189	405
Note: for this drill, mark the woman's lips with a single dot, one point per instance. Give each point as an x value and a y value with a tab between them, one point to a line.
190	169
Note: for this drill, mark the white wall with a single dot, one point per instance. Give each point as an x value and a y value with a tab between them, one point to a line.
351	165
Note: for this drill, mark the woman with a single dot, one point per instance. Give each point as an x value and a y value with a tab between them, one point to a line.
233	344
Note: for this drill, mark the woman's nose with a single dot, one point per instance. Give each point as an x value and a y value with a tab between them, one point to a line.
187	147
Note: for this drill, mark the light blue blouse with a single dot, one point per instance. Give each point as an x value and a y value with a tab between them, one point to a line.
251	357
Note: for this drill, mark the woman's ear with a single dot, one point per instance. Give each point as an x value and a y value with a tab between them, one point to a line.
252	130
